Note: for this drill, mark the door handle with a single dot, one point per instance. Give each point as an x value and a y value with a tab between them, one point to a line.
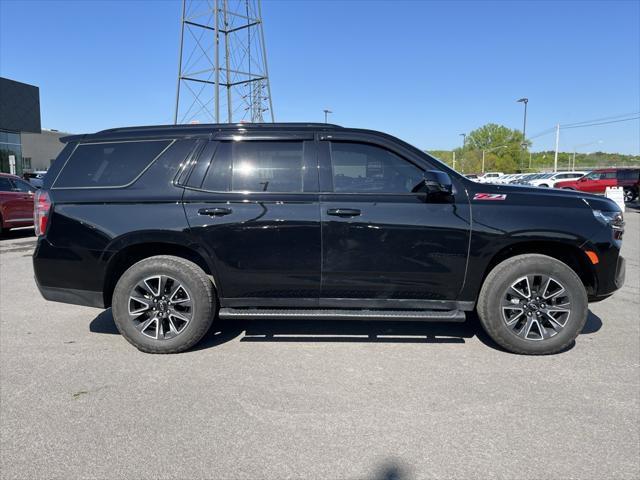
215	212
343	212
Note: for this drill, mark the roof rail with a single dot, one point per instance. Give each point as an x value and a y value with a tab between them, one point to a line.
222	126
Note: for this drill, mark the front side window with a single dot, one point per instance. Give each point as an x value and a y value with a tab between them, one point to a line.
112	164
594	176
5	185
363	168
23	186
256	166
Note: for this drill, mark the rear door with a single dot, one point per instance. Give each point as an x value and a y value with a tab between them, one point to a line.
252	203
383	245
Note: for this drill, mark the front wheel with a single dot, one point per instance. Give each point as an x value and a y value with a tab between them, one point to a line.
629	195
533	304
163	304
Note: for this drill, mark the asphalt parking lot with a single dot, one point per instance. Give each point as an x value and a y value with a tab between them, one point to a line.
319	400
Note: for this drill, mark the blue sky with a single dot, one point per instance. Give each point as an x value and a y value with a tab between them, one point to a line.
424	71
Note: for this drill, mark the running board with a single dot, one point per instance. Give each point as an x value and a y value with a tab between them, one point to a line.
337	314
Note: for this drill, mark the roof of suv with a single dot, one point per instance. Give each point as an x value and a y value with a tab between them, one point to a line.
197	129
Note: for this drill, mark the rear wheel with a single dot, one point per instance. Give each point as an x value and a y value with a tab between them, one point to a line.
533	304
163	304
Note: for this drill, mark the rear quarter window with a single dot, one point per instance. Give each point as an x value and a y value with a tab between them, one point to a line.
110	164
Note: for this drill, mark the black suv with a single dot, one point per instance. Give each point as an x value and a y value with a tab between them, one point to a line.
172	226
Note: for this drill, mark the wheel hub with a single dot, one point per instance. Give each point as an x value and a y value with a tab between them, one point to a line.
160	307
536	307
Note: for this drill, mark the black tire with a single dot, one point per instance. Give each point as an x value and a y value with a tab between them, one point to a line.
200	292
630	195
499	282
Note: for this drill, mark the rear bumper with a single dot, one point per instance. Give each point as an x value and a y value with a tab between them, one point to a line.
68	275
70	295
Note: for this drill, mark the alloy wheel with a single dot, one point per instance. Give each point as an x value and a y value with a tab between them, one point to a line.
536	307
160	307
628	195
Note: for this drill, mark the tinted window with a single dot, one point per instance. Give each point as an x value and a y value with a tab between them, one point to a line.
365	168
608	175
108	164
23	186
256	167
5	185
628	174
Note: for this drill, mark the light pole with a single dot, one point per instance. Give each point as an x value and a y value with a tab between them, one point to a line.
326	115
524	100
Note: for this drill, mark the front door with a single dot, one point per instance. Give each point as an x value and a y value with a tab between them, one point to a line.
597	182
381	241
252	204
24	194
17	201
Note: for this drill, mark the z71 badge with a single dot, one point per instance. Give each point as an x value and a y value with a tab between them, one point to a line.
490	196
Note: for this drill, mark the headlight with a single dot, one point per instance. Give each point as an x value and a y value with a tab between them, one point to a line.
615	220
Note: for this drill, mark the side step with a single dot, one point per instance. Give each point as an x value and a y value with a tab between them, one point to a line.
338	314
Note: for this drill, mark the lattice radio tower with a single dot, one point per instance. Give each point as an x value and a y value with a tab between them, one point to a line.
222	68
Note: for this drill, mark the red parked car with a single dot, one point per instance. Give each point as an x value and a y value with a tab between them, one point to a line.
16	202
598	180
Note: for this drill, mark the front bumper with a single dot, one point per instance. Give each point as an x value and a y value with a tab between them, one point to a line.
621	272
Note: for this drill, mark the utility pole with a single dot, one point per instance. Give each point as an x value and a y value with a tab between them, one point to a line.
454	160
482	161
227	74
326	115
555	158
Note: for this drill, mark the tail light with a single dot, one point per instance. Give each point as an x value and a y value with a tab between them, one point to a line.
41	208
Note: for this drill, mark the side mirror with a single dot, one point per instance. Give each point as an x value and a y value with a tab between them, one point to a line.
582	179
436	185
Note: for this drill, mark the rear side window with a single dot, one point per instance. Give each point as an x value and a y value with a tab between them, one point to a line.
256	166
112	164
